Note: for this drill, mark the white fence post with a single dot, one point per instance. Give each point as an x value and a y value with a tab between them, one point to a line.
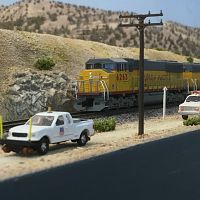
164	101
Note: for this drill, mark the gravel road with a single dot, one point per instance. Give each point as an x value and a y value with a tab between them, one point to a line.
125	135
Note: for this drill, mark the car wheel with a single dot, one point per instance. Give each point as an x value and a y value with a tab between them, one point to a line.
83	139
185	117
43	147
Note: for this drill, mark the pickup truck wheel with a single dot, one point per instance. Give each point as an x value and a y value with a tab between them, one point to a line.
43	146
17	150
185	117
6	149
83	139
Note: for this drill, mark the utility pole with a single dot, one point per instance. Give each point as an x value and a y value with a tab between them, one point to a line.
141	25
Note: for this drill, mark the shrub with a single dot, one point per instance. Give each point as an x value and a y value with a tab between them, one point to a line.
190	59
53	17
193	121
159	49
45	63
37	21
104	125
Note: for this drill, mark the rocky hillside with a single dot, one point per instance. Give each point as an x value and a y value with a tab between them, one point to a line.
32	92
86	23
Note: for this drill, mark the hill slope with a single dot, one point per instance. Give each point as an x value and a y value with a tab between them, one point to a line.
19	50
21	83
86	23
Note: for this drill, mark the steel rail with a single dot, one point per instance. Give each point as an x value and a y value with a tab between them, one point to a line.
89	115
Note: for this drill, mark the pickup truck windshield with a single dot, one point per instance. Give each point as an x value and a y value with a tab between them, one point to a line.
39	120
193	99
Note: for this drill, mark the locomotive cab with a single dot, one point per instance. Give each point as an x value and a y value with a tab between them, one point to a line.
97	82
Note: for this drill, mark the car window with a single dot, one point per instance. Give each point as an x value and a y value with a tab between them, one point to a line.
60	121
193	99
68	119
39	120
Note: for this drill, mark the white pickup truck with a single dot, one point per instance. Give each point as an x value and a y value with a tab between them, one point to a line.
47	128
191	105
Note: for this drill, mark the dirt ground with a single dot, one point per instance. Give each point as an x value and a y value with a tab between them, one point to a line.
14	165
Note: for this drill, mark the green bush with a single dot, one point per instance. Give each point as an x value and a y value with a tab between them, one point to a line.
159	49
193	121
45	63
104	125
190	59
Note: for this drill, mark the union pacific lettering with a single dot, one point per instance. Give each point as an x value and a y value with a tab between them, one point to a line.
151	77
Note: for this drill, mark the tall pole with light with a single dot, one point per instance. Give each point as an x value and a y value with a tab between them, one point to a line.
141	25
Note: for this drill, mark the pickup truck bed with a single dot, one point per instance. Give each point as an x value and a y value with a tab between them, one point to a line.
77	120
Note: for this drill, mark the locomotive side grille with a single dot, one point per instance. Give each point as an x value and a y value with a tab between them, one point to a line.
19	134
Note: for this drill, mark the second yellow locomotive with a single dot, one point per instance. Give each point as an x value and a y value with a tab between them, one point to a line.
113	82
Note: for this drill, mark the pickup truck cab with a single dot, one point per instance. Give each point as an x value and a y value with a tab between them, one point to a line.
48	128
191	105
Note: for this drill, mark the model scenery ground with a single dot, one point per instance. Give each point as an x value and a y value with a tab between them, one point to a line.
125	135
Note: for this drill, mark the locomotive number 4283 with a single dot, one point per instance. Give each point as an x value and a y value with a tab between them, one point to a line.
122	77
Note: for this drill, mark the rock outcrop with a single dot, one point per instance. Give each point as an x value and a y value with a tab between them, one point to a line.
33	92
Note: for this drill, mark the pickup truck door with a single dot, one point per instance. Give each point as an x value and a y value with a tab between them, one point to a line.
59	133
69	130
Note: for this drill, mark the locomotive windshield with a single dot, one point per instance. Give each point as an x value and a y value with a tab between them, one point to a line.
94	66
89	66
106	66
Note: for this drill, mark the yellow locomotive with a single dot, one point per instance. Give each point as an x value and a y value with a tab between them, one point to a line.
113	83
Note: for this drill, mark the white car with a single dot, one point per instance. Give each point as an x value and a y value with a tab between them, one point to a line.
48	128
191	106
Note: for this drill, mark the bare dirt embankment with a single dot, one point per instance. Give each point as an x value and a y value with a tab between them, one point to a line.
125	135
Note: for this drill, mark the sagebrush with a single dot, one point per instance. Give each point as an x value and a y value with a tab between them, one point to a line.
104	125
192	121
45	63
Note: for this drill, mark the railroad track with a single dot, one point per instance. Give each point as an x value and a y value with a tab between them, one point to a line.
10	124
87	115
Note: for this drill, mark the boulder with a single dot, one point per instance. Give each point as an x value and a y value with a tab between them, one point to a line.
60	81
14	90
19	75
52	92
64	76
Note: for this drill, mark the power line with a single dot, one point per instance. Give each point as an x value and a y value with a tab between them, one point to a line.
141	25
